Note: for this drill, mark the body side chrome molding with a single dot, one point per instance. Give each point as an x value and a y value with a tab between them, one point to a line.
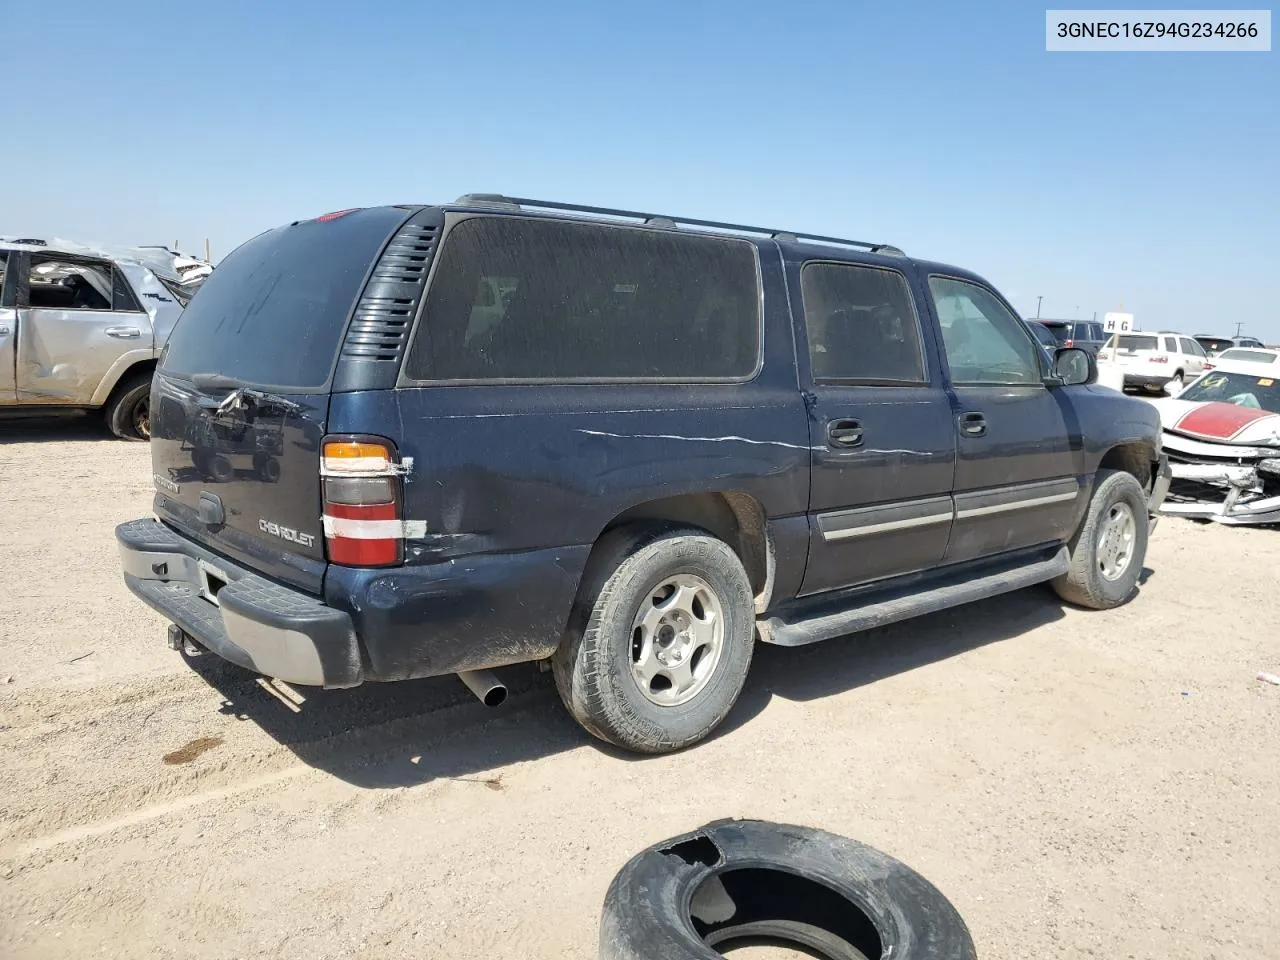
928	511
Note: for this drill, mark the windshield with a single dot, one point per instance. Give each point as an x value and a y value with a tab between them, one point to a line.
183	292
1241	389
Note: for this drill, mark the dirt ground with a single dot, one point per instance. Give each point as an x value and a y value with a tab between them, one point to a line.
1079	784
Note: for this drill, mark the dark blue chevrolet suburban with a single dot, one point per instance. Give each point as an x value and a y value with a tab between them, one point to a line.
409	441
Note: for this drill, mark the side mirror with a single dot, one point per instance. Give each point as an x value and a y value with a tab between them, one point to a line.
1074	367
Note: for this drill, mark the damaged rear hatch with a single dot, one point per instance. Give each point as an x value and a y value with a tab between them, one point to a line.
1222	437
241	399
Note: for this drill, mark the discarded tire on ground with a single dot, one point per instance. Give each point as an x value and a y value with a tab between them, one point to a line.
738	882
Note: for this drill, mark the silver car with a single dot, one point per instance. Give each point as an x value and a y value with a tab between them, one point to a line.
81	329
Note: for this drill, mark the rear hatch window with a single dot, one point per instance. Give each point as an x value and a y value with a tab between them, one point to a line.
1214	345
273	313
1133	343
241	473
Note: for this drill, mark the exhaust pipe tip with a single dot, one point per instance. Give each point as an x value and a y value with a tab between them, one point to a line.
488	689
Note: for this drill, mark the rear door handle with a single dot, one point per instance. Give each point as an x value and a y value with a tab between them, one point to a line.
844	433
123	333
973	424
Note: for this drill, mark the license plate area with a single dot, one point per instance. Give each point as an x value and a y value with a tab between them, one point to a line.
211	581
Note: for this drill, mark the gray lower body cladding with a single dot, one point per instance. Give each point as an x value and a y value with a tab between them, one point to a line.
372	624
242	617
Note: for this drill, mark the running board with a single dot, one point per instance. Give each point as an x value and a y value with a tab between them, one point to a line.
904	606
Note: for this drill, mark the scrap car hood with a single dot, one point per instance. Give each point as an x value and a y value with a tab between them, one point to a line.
1219	422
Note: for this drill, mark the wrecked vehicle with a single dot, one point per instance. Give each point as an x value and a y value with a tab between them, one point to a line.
450	438
81	328
1222	437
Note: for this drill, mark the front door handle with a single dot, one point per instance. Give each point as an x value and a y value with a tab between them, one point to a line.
123	333
844	433
973	424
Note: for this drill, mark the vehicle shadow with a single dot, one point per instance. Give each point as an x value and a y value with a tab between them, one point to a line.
844	664
382	736
49	429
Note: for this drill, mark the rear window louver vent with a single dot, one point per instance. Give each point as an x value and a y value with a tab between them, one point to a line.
385	312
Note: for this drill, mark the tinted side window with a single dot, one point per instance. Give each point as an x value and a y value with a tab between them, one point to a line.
861	324
984	340
1170	344
1190	346
574	301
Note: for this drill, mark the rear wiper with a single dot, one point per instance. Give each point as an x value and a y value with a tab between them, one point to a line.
240	397
214	381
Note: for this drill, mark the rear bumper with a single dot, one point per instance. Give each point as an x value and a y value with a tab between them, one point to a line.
237	614
1147	380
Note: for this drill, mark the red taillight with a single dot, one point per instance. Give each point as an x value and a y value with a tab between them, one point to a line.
1208	366
1068	343
326	217
363	525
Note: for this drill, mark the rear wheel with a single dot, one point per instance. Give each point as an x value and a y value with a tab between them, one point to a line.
128	411
1174	386
663	640
1108	550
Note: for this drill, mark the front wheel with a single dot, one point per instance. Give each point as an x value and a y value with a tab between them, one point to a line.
1110	547
664	641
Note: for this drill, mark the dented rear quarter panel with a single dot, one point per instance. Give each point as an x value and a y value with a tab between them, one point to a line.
514	485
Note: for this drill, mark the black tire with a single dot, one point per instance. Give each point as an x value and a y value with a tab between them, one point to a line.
741	881
593	667
128	412
1084	583
1178	378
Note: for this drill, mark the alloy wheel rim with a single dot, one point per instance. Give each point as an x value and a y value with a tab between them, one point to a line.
1116	537
677	638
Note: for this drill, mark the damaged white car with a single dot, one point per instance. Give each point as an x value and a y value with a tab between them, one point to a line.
81	327
1222	436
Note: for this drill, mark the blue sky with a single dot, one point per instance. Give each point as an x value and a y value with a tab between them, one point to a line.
1151	180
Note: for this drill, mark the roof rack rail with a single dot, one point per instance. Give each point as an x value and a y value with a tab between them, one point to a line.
664	220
